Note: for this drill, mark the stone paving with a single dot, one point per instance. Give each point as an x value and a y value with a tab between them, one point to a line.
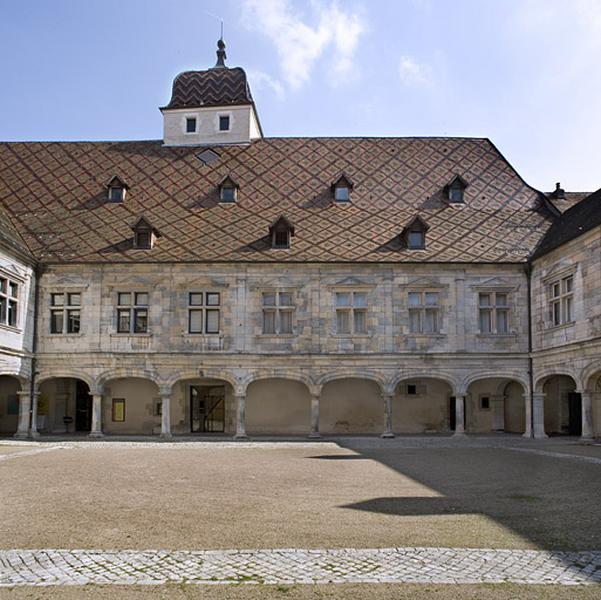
294	566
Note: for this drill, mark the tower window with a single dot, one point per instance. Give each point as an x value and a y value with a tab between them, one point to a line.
416	240
224	123
190	124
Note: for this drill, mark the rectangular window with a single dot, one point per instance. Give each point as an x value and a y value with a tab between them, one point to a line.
342	194
351	312
224	123
424	312
278	313
191	125
416	240
118	410
132	312
204	312
493	312
65	312
561	301
484	403
9	301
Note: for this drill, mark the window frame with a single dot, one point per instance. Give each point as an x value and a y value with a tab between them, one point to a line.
493	309
10	304
340	188
66	310
277	309
133	309
114	414
422	244
351	310
186	120
560	306
229	123
422	310
204	308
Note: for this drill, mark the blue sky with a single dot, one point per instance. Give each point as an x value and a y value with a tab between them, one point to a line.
525	73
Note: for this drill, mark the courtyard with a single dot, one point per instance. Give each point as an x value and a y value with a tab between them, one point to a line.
282	512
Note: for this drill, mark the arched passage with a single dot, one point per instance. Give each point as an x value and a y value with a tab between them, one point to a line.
422	405
131	405
563	408
202	405
351	405
64	406
593	388
496	404
278	406
10	387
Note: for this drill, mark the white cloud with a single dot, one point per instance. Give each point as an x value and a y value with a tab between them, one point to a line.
260	80
413	73
299	45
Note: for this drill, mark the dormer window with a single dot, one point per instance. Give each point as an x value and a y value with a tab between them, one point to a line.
414	234
224	123
341	189
116	190
455	190
228	190
280	233
190	124
144	234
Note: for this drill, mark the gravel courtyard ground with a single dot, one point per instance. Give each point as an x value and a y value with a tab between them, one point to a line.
355	494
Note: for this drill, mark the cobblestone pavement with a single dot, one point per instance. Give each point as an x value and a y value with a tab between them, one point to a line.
290	566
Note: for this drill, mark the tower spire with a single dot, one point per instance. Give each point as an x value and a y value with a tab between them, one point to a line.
221	56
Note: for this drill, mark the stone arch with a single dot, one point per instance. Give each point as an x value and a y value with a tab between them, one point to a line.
544	374
520	377
590	376
425	405
561	404
12	387
447	377
90	380
497	402
207	373
125	373
291	375
278	405
351	402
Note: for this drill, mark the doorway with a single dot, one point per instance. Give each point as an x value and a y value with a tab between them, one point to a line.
207	408
575	414
83	407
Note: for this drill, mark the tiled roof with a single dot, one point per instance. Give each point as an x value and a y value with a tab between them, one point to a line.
56	195
10	236
575	221
571	198
213	87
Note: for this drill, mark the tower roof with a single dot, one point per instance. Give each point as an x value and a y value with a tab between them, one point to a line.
218	86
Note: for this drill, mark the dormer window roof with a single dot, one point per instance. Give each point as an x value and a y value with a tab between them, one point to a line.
280	232
116	189
228	190
341	188
414	234
455	190
145	234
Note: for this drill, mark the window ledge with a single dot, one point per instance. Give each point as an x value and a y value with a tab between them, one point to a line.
131	335
426	335
198	336
351	336
10	328
276	336
562	326
65	335
497	335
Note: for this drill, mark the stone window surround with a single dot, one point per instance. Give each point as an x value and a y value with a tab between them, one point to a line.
67	289
204	307
9	276
184	121
223	113
367	289
426	286
493	309
292	308
558	277
510	290
133	290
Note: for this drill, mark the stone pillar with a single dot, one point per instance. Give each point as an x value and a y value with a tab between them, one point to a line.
527	416
538	413
587	415
33	432
24	415
459	415
314	434
498	412
166	416
241	417
388	433
96	430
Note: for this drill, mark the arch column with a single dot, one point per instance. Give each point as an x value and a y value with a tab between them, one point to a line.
24	415
165	415
459	415
527	416
538	415
96	427
587	414
33	430
240	416
314	433
388	433
498	412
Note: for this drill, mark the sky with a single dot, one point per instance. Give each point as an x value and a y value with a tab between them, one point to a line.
524	73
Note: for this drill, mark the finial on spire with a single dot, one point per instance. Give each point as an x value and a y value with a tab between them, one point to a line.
221	55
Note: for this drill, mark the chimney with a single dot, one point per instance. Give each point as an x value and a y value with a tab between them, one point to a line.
559	193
